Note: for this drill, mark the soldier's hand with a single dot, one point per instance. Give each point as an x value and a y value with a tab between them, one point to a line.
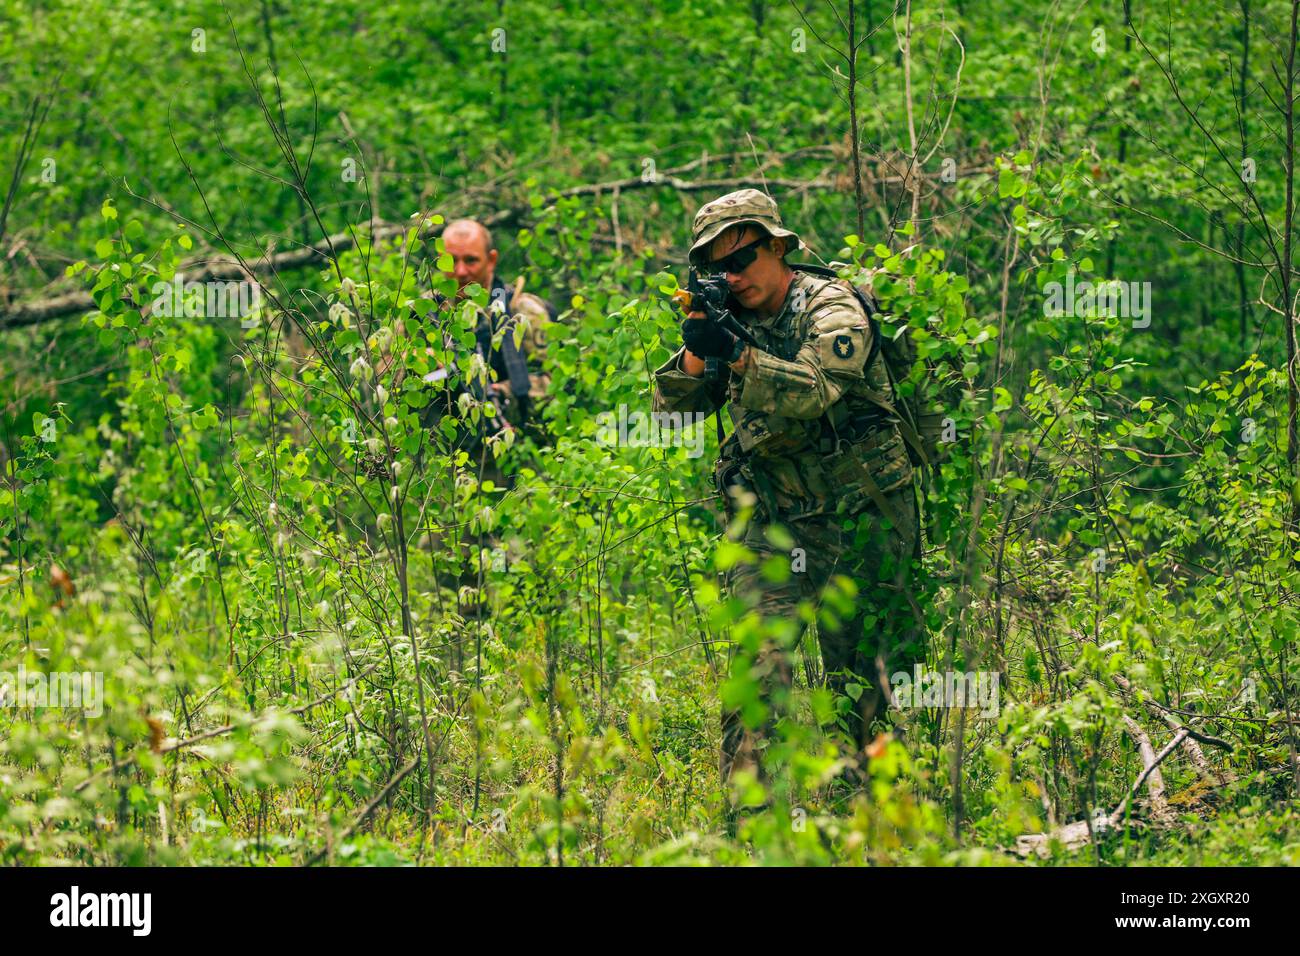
707	339
692	364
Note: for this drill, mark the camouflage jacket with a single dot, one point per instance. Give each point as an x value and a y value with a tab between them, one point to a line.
807	437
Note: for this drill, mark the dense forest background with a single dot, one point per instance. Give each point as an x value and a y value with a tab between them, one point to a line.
242	523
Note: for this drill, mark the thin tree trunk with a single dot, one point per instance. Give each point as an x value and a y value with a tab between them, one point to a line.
1241	225
854	134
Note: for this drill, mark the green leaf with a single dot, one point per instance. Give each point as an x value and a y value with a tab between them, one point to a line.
1007	182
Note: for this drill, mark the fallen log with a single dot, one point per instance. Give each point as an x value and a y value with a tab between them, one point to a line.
1192	745
1074	836
1155	780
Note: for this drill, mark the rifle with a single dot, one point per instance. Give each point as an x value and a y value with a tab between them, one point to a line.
709	295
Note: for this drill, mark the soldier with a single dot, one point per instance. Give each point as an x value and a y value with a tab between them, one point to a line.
520	379
520	384
812	450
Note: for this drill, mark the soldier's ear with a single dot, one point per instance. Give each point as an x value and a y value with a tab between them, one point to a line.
778	246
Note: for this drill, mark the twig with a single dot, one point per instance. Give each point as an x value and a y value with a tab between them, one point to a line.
217	732
370	807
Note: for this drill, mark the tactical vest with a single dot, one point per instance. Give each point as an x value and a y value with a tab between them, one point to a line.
845	461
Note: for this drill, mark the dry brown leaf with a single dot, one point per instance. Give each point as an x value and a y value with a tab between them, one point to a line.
876	749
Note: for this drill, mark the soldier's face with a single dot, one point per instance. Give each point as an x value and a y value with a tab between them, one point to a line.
473	262
762	279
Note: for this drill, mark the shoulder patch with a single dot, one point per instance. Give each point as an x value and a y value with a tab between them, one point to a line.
843	350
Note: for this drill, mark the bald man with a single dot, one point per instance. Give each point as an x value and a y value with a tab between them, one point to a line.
519	373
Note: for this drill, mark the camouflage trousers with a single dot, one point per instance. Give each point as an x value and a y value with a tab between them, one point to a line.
877	637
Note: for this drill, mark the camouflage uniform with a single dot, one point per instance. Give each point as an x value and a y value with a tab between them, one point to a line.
820	458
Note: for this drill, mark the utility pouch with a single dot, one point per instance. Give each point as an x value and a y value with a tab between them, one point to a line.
766	435
860	474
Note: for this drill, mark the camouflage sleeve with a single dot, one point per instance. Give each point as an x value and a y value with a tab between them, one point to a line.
831	359
675	391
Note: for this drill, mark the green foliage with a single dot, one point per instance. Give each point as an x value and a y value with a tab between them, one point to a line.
324	635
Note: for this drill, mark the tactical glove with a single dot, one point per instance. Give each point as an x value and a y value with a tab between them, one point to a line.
706	339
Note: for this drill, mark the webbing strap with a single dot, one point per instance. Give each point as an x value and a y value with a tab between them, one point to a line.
880	500
910	434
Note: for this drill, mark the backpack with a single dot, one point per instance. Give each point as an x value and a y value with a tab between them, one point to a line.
911	401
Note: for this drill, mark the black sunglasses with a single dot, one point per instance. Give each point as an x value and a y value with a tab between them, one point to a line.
736	261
